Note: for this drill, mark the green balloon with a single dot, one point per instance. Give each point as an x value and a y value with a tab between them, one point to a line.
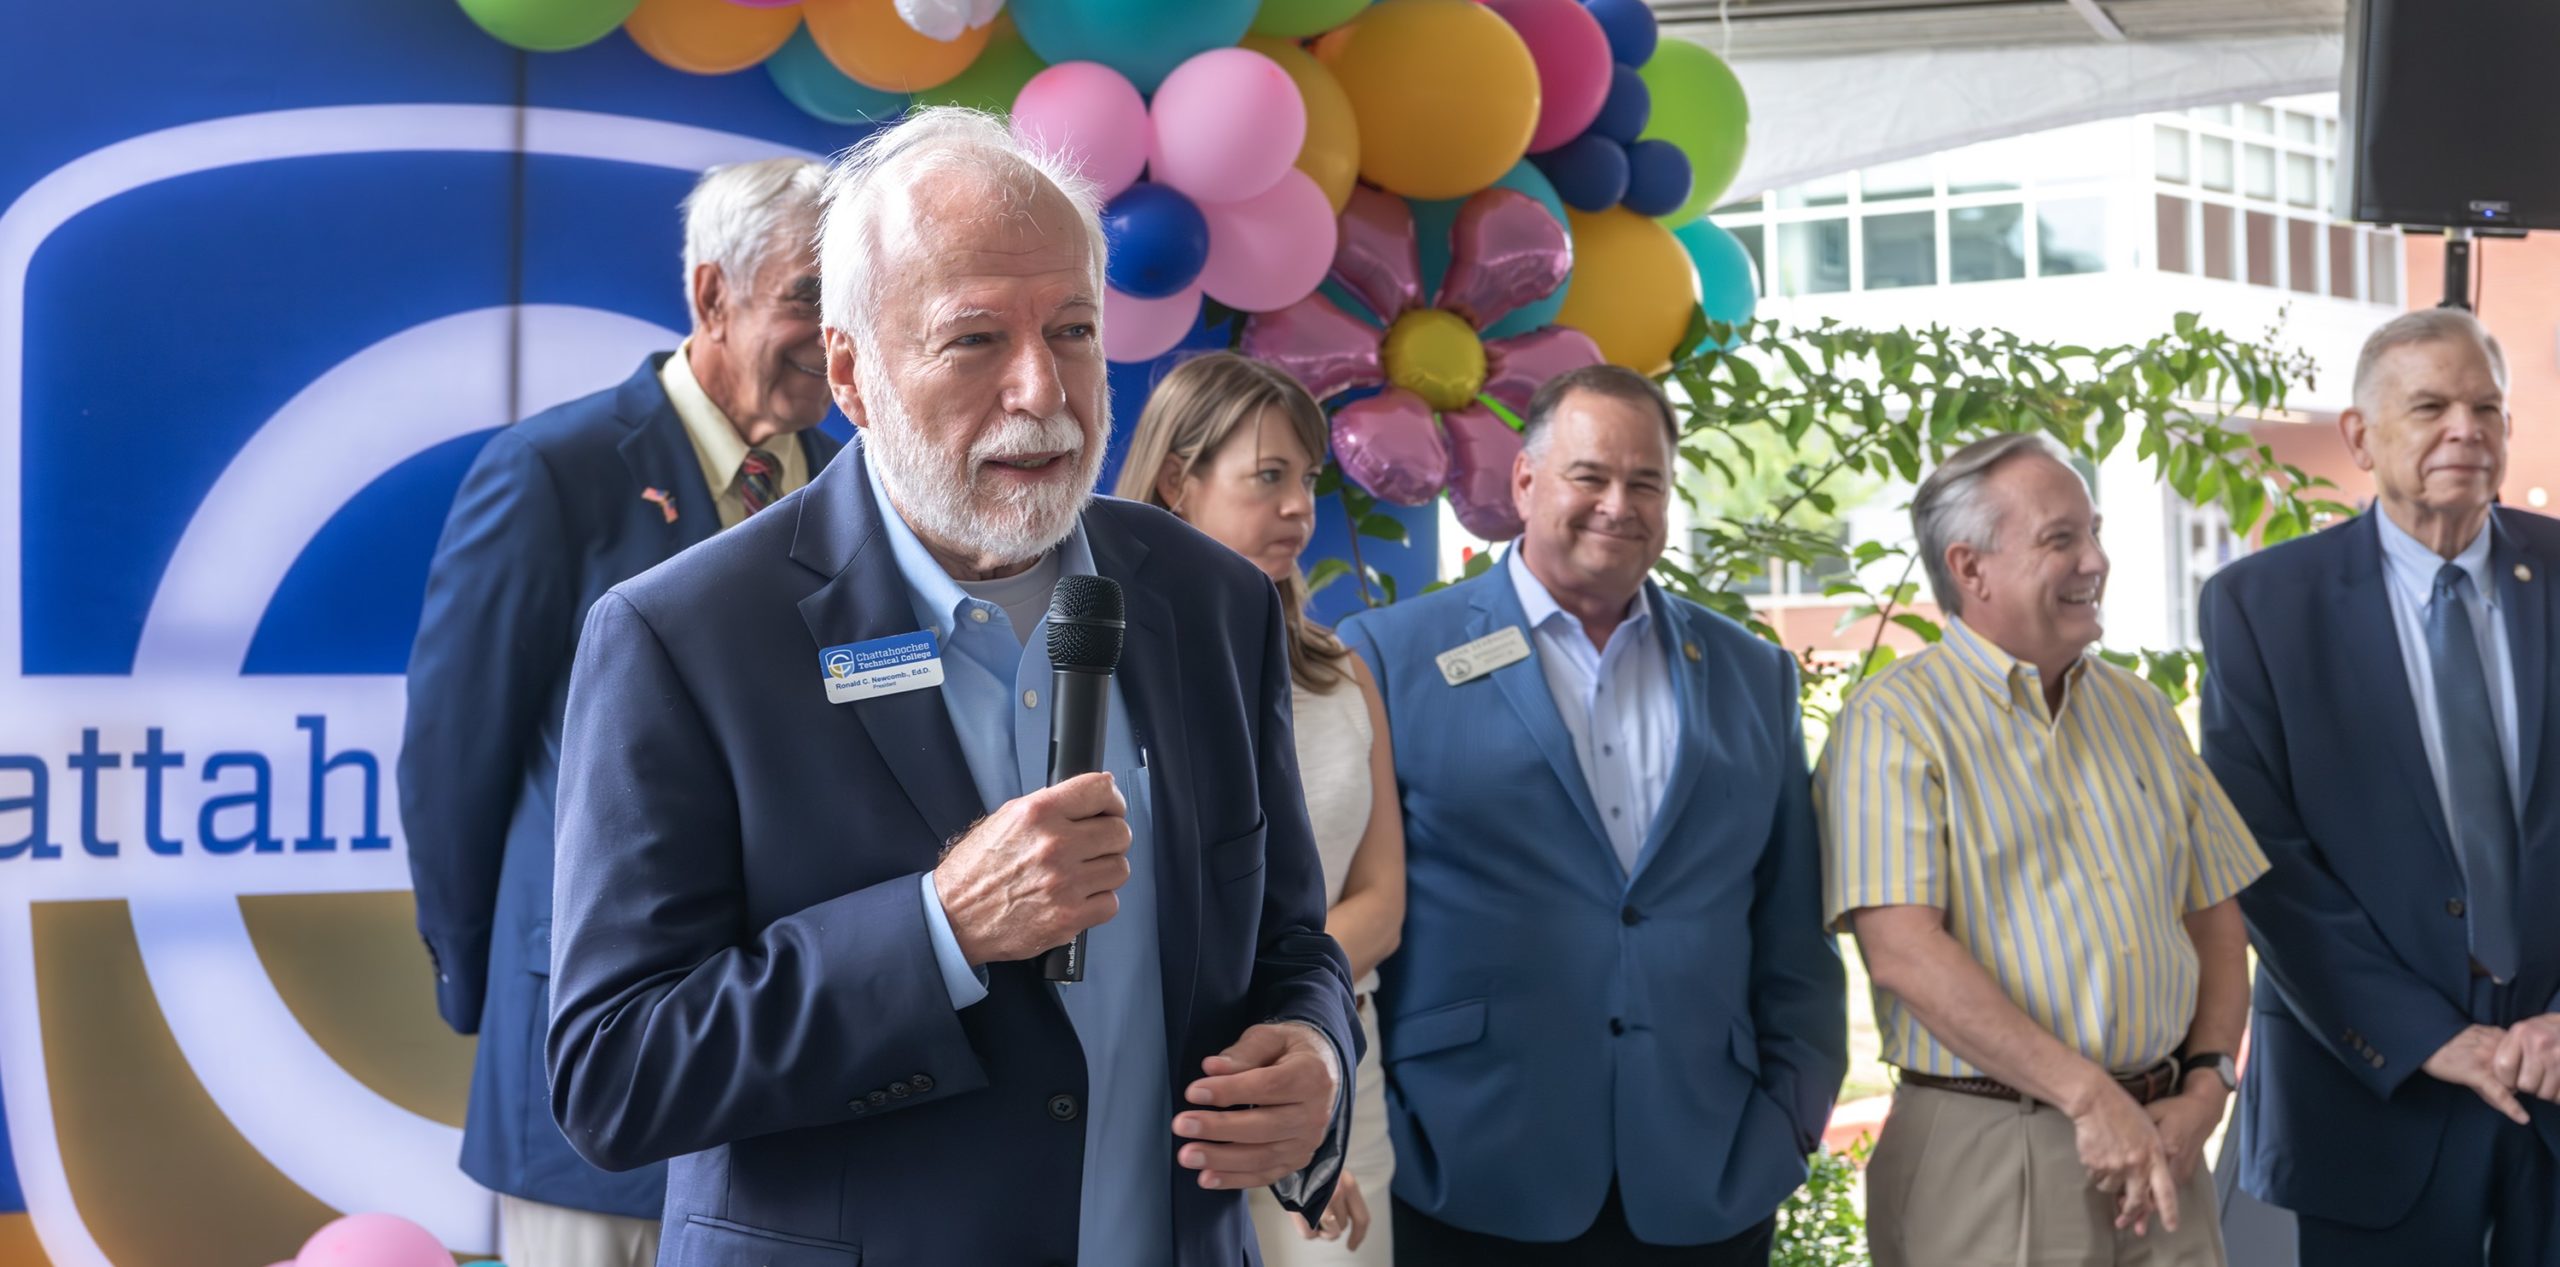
549	26
1698	106
994	80
1298	19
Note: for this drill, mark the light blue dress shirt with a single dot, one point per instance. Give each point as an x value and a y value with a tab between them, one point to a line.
996	687
2410	568
1617	703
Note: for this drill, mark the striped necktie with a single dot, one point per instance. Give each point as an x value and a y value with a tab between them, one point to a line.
759	480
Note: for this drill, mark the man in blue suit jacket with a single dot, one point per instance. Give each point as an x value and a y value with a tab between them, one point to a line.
807	866
558	508
1615	1025
2376	704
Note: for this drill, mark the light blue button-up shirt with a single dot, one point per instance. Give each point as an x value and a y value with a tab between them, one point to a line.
2410	568
1616	702
996	686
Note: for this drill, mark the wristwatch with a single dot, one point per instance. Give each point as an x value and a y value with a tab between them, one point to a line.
2219	1062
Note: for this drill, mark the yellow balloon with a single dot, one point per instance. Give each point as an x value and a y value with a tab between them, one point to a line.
1331	154
874	47
1445	93
1436	355
1632	288
709	37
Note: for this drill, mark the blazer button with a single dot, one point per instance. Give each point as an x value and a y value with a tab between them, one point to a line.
898	1090
1617	1026
877	1098
1630	917
921	1083
1062	1107
2453	907
857	1107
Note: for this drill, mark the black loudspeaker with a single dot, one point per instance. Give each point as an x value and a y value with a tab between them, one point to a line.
2452	113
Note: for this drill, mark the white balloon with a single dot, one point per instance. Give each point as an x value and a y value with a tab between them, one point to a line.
947	20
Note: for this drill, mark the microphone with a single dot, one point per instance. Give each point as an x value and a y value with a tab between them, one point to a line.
1085	632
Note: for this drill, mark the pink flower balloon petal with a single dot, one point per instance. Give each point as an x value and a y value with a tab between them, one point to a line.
1227	124
1326	349
1515	368
1090	115
1505	253
1389	445
1271	250
1135	329
1377	259
1481	447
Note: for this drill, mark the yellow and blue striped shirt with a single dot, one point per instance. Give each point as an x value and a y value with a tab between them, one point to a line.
2066	851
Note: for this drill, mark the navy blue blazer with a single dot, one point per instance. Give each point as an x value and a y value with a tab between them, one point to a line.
2363	953
551	514
1551	1021
743	980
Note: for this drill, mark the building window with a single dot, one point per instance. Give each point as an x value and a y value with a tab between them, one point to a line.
2169	215
1891	181
1981	169
2258	172
2201	543
2220	259
1986	244
2301	180
1813	257
2258	119
1902	250
2215	153
2262	249
2071	236
2302	256
1749	236
2382	268
2169	154
2342	261
1829	191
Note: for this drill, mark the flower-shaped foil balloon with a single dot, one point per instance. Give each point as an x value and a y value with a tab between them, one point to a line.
1430	427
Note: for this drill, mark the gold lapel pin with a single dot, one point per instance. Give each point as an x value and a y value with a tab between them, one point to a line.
2523	573
1690	649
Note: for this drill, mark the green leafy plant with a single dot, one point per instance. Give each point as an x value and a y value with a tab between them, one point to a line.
1821	1226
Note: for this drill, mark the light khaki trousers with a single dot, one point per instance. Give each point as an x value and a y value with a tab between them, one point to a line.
531	1234
1969	1181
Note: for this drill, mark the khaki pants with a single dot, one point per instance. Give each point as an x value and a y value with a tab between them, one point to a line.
1968	1181
531	1234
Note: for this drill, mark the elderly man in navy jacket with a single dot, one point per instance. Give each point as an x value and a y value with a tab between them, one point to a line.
557	508
807	865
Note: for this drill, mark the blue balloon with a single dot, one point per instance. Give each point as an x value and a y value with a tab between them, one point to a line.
1658	177
1627	108
1589	171
813	83
1630	26
1726	291
1158	240
1143	39
1433	221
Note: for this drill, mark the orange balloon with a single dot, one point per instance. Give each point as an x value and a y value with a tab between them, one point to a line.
1632	290
1331	153
709	37
874	47
1445	92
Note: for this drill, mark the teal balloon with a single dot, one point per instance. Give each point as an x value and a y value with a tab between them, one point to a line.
813	83
1725	289
1432	222
1142	39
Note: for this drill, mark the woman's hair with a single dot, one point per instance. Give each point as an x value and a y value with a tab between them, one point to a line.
1198	407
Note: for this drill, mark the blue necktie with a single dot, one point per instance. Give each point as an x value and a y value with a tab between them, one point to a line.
2475	771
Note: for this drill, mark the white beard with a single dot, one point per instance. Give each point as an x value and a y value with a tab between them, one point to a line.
937	492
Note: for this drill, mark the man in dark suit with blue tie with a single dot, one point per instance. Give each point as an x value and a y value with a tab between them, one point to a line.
807	867
2376	701
558	508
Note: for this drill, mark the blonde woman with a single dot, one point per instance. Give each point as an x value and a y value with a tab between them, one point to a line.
1232	446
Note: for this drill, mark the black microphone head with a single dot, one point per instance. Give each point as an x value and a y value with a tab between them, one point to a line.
1085	624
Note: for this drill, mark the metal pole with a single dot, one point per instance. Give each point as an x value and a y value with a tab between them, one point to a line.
2457	269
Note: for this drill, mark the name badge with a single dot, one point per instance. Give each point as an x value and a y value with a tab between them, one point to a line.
882	666
1464	664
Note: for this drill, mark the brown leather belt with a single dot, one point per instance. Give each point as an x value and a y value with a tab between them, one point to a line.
2156	1083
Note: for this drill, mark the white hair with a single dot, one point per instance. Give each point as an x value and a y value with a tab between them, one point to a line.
737	216
2426	325
902	157
1950	509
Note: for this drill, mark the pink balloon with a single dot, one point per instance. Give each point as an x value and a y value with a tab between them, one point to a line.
1090	115
1135	329
1572	55
1315	342
1377	259
1228	123
1389	444
1481	447
1505	253
1516	367
1269	251
373	1240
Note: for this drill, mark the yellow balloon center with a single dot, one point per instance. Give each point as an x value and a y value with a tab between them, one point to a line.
1437	356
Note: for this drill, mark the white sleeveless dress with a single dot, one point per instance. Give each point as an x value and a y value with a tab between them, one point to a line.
1333	740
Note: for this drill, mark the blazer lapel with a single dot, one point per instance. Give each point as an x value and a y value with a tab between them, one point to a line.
666	477
2361	613
839	537
1689	752
2524	596
1524	682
